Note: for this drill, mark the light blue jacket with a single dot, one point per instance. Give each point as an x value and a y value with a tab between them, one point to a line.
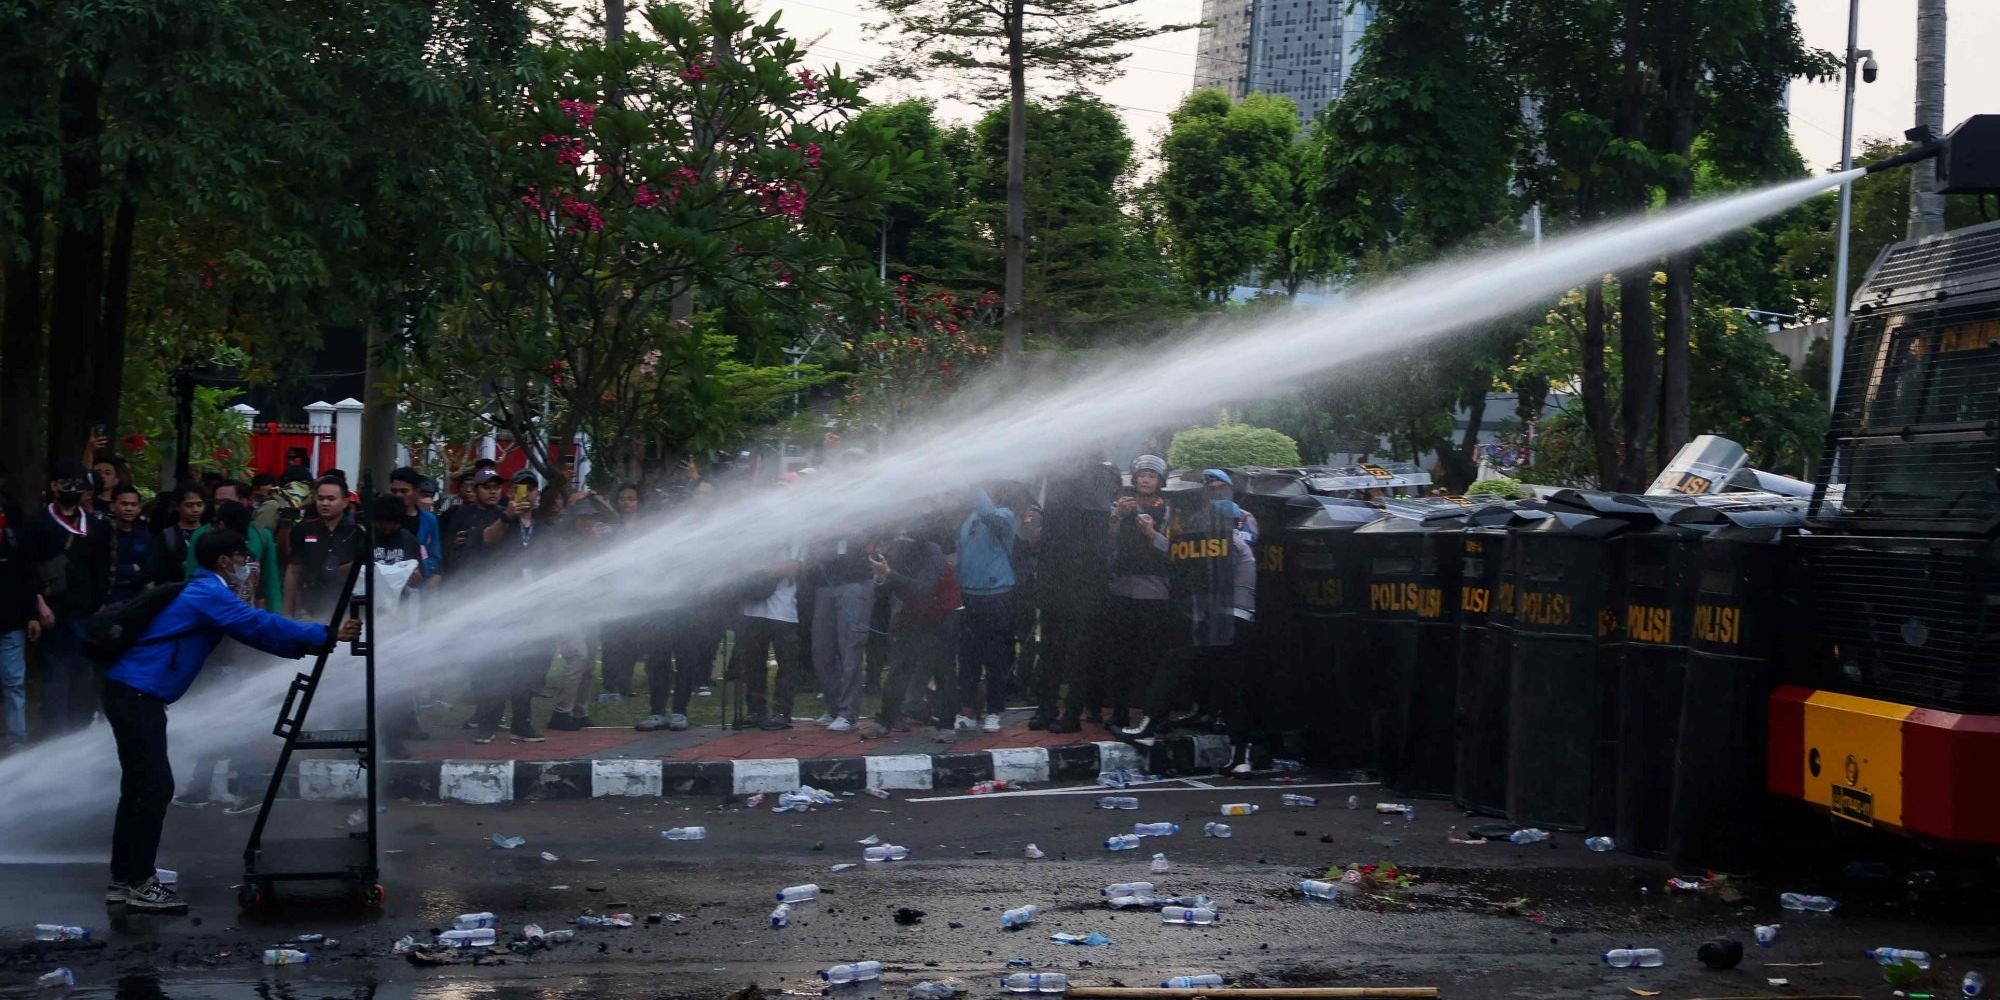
171	651
985	548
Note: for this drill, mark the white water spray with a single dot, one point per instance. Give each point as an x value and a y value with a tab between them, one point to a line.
50	788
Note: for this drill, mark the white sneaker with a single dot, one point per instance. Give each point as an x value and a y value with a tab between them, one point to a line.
1144	721
704	692
991	724
825	719
965	722
152	897
839	725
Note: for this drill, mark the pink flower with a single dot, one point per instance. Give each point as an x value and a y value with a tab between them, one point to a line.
587	217
533	201
808	84
812	155
646	197
582	111
693	74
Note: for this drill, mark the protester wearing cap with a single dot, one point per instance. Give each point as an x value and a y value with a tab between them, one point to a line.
70	551
1137	621
472	526
517	549
406	484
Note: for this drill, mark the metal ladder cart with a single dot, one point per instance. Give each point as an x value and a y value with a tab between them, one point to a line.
352	858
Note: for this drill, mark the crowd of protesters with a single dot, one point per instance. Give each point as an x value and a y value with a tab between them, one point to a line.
1088	595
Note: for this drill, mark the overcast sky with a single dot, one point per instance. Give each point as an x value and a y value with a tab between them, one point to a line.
1161	69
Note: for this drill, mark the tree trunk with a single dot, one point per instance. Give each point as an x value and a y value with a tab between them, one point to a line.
614	20
21	356
1636	343
108	380
1012	337
378	410
1675	362
1460	465
1926	205
1596	407
76	294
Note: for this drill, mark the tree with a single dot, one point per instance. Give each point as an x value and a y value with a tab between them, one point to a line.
999	44
930	187
1926	205
1230	445
1224	186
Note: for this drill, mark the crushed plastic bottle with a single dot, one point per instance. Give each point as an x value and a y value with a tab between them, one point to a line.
1203	981
467	937
1766	933
1528	835
473	921
1321	889
1354	802
1219	830
1188	915
533	932
1160	865
781	916
559	936
62	979
507	843
792	802
1132	903
880	793
318	939
931	989
1094	939
605	920
1287	765
754	801
685	833
1034	982
1810	904
61	932
1019	917
546	856
1120	777
853	972
1635	958
1600	844
1898	956
1973	985
837	869
1239	809
1290	799
1156	829
1409	814
286	956
1127	889
1118	802
1122	842
885	852
1390	808
1032	853
989	787
798	893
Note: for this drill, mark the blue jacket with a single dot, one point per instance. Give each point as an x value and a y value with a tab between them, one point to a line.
167	657
985	546
432	541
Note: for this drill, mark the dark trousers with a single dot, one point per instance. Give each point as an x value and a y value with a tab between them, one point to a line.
676	662
624	643
146	780
1193	672
69	679
756	640
1066	659
1131	644
985	645
917	656
1245	703
512	685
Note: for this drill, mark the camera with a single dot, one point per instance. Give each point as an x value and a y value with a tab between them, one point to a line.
1869	68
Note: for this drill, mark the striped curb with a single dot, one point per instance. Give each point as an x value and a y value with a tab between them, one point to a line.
479	782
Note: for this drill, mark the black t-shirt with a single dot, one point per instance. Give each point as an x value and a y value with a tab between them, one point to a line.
403	547
472	521
319	552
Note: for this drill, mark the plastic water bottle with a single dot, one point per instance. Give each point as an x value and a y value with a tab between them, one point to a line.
1118	802
507	843
607	920
467	937
1897	956
1600	844
1156	829
1321	889
1766	933
1239	809
62	979
685	833
1285	765
1811	904
885	852
61	932
1213	829
1409	814
559	936
798	893
1291	800
853	972
1128	889
1160	865
1018	917
1192	982
1354	802
1122	842
473	921
782	915
1634	958
289	956
1188	915
1530	835
1034	982
1973	985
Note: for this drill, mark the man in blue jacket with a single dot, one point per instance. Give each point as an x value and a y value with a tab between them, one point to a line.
153	674
986	584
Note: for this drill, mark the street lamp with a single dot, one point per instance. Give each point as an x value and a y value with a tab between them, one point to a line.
1772	326
1869	69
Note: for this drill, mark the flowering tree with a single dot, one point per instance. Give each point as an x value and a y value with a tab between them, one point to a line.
916	352
697	161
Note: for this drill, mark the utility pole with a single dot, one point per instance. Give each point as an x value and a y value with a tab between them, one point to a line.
1926	205
1854	55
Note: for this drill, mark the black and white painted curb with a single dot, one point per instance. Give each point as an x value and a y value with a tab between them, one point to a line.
491	782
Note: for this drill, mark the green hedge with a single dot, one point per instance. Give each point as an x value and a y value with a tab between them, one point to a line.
1231	446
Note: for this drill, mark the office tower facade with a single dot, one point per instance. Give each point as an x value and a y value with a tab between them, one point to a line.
1301	49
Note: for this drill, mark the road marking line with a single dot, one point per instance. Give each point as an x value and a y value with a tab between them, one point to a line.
1100	790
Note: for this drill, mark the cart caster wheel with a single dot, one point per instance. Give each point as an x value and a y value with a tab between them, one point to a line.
249	898
374	896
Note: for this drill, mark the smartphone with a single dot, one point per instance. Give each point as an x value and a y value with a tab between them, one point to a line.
520	492
98	429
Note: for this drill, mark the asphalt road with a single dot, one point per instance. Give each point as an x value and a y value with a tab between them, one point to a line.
966	867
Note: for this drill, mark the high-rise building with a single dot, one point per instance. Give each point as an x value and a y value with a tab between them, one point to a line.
1300	49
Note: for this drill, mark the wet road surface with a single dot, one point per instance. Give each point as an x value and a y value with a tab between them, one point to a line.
1454	928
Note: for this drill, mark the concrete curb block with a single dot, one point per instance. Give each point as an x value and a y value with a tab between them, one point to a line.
494	782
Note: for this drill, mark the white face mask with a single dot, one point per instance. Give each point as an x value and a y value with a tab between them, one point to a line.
240	573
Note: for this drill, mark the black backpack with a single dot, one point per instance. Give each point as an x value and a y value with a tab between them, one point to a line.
117	627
